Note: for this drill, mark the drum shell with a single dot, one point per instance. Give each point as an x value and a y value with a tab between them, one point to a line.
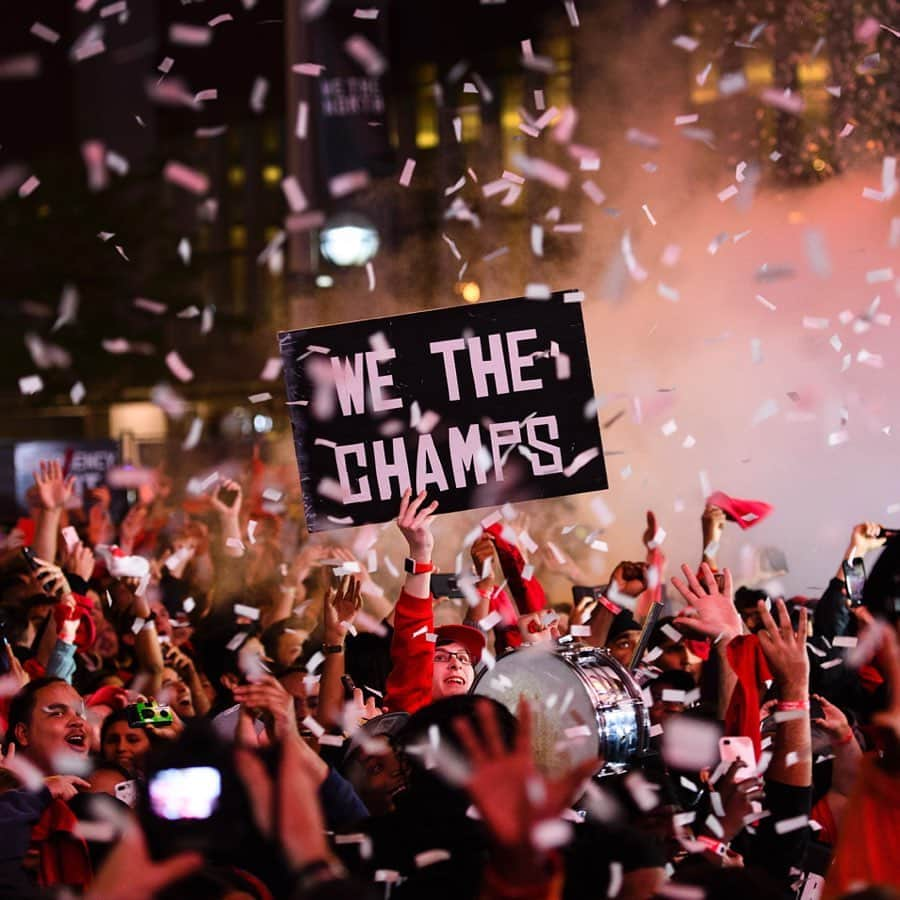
584	704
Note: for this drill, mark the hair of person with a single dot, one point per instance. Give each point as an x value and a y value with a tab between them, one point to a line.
273	633
21	707
676	680
120	715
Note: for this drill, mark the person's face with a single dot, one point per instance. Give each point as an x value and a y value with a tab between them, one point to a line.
107	643
663	709
622	648
125	745
674	656
381	778
305	694
57	728
178	693
163	622
453	671
751	619
95	717
289	647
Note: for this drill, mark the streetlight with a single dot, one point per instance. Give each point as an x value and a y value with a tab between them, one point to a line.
348	239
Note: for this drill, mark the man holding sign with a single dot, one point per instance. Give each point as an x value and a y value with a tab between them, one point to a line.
463	401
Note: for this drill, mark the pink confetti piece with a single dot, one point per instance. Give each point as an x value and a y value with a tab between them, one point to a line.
29	186
190	35
113	9
366	55
88	49
314	70
44	33
77	393
580	461
370	275
258	94
648	214
220	19
686	120
23	66
875	276
541	170
178	367
815	323
348	183
293	193
406	175
260	398
766	303
184	176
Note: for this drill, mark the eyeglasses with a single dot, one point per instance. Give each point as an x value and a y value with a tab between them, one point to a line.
444	656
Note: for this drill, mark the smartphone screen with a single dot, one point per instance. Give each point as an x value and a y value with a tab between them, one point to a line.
445	586
855	577
191	793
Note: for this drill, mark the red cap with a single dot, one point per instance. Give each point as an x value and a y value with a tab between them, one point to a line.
471	638
746	513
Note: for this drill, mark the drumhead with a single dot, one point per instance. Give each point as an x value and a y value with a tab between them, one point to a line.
582	704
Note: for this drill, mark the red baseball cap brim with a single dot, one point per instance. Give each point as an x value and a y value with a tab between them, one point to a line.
471	638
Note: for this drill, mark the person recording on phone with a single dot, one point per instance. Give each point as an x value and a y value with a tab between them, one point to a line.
835	611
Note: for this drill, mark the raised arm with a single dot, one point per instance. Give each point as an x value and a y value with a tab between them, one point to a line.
409	686
54	491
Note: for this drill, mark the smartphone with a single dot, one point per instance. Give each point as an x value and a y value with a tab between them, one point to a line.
5	666
855	578
739	749
30	559
445	586
140	715
191	793
127	792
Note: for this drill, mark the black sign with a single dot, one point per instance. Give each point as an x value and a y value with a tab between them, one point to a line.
478	405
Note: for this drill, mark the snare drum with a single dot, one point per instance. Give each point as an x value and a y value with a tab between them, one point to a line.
584	704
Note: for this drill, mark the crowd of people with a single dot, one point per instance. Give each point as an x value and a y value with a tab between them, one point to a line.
198	704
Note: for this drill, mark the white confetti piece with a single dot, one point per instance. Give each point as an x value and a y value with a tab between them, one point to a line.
727	193
430	857
551	833
648	214
31	384
686	42
348	183
580	461
766	303
247	612
669	428
686	120
783	826
314	70
260	398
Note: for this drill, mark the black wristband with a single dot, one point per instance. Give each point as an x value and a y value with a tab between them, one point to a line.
332	648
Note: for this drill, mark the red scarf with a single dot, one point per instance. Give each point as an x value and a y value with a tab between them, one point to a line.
63	855
742	717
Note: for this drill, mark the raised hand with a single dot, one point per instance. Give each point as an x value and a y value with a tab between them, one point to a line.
414	521
562	564
51	579
710	611
483	550
864	538
54	490
533	631
785	649
131	527
79	561
650	531
506	786
340	609
738	795
224	492
269	697
833	722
